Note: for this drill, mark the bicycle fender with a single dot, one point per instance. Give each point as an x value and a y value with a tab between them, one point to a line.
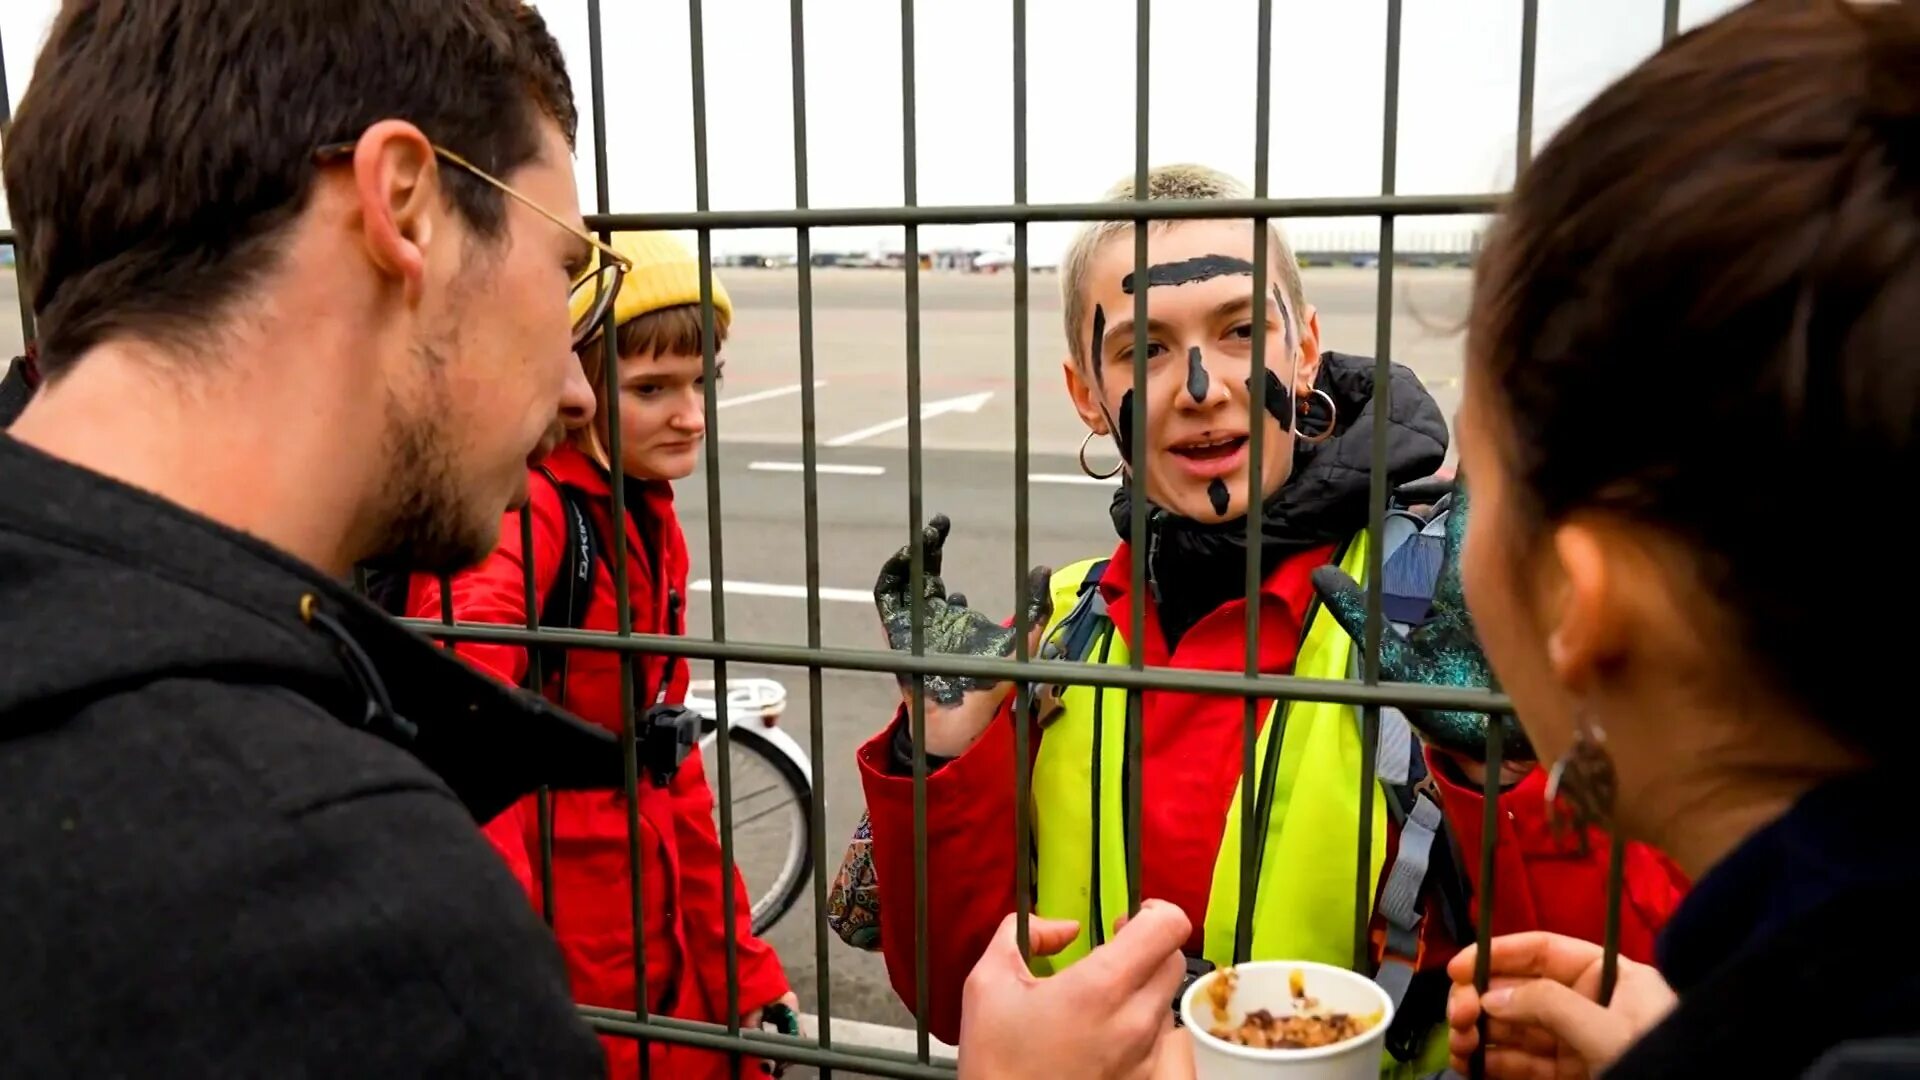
784	744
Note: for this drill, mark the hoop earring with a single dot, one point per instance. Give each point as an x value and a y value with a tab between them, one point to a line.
1324	425
1584	778
1088	469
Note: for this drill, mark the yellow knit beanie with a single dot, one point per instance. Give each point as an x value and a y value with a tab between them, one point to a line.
665	274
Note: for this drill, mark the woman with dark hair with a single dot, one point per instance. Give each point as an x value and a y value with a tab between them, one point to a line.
1693	387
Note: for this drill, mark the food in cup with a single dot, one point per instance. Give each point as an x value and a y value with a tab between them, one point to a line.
1305	1026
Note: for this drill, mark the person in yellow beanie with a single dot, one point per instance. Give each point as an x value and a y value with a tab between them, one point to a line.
660	378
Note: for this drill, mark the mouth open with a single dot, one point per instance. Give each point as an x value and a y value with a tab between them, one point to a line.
1213	449
1210	456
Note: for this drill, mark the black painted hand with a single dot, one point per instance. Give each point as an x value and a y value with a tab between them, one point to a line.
958	707
1441	652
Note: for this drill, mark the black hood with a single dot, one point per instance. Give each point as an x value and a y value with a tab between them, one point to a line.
1200	565
104	588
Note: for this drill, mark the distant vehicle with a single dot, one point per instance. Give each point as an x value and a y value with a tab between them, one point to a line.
994	260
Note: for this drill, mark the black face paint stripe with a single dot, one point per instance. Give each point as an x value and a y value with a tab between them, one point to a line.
1190	271
1279	400
1123	434
1217	494
1196	375
1099	335
1286	325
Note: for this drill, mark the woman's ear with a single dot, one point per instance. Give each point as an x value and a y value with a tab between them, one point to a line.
1309	331
1086	397
1584	612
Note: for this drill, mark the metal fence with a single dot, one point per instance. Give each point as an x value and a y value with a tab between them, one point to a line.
1368	693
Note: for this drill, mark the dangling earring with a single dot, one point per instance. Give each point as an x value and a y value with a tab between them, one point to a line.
1088	469
1584	778
1317	418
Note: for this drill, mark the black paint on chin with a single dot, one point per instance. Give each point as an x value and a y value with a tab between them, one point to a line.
1217	494
1190	271
1099	333
1196	375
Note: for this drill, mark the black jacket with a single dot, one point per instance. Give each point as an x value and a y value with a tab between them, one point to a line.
209	864
1796	955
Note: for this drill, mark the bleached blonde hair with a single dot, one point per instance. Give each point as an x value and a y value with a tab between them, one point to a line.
1165	182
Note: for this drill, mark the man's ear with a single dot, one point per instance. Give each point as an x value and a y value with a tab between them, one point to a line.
1086	397
1309	349
397	179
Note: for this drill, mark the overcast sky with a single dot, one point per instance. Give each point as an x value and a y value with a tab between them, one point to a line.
1458	102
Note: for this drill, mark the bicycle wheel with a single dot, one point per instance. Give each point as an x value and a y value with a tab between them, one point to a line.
772	814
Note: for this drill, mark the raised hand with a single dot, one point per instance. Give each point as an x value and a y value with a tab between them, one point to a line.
1105	1016
958	707
1441	652
1544	1018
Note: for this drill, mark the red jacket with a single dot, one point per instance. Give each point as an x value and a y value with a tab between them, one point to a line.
681	874
1191	754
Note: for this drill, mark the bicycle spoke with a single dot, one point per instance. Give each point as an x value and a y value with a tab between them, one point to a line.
776	786
739	824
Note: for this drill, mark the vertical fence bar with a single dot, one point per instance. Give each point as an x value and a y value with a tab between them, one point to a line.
446	603
1617	844
1523	133
1137	438
537	681
1256	492
623	601
716	530
909	164
1483	925
1610	952
19	259
1496	725
1022	404
1377	500
810	462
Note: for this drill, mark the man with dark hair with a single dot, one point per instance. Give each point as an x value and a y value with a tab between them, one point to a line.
302	272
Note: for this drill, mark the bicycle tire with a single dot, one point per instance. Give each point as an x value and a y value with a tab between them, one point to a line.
778	897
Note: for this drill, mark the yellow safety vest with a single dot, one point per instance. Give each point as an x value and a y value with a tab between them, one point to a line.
1304	900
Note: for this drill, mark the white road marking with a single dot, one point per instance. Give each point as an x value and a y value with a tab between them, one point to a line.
784	592
765	395
969	403
1070	478
801	466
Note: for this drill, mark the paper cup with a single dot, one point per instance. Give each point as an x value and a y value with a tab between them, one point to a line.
1265	984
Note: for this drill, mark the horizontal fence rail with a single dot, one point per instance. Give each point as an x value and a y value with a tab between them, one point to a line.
1279	687
1369	692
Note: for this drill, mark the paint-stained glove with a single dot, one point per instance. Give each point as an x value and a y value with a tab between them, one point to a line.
950	626
1443	651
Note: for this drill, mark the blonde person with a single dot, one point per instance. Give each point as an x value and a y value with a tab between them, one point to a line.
1194	471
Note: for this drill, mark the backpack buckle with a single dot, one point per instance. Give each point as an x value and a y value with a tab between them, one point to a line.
668	734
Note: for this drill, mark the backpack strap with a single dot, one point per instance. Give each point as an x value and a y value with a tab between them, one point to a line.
565	605
1427	861
1087	618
